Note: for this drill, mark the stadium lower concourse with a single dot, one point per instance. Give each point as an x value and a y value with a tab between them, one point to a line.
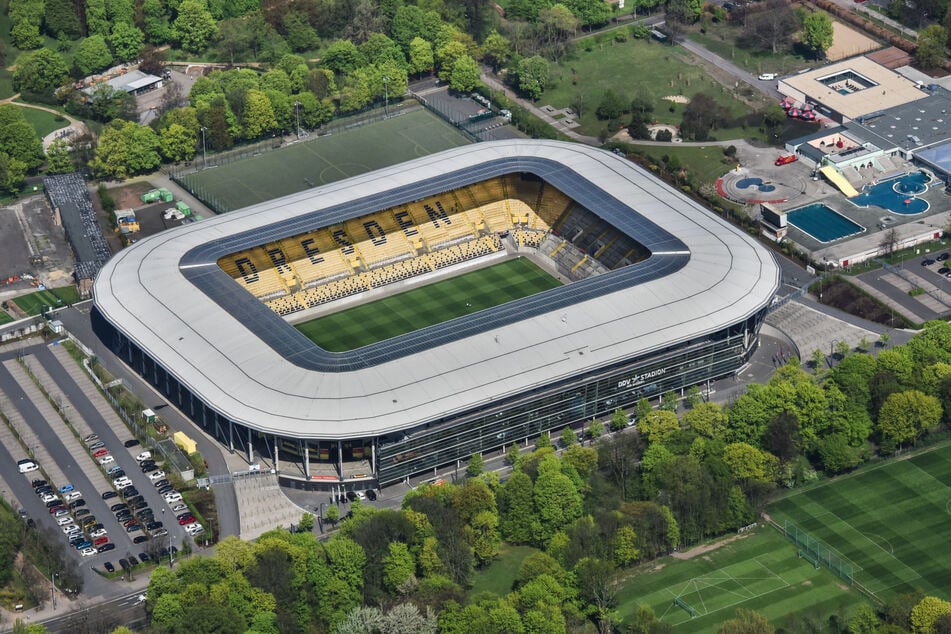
647	292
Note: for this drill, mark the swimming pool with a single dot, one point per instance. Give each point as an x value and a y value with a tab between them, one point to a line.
822	223
898	195
745	183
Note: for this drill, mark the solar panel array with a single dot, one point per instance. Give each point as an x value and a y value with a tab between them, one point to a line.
68	193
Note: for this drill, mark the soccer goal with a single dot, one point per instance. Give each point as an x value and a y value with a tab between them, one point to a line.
686	606
817	553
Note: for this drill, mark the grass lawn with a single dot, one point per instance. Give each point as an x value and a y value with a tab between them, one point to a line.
704	164
43	122
325	160
601	64
499	576
5	317
428	305
33	303
721	39
889	521
6	84
760	571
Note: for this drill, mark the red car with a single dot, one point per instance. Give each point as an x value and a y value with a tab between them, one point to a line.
188	519
99	453
99	541
786	160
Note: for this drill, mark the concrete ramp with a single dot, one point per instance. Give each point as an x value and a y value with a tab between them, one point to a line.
839	181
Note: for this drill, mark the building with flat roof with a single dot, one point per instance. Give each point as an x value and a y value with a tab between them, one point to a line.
658	295
851	88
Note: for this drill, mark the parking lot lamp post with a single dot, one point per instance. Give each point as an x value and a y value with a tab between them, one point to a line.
204	161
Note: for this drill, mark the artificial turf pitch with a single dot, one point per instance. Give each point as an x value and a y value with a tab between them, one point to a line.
890	521
428	305
323	160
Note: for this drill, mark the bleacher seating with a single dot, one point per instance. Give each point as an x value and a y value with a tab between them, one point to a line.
410	240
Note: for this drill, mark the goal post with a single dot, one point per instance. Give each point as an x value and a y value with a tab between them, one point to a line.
817	553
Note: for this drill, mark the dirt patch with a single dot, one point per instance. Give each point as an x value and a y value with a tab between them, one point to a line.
706	548
840	294
807	582
677	99
129	196
847	42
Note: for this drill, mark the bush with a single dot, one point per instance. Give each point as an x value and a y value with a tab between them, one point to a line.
108	202
664	135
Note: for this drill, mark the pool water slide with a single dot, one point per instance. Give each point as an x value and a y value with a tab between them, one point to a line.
839	181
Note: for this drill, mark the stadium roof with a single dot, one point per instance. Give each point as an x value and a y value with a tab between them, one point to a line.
168	295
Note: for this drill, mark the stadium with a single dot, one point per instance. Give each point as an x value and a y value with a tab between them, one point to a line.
506	289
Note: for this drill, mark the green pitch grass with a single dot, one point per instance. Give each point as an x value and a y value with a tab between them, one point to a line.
323	160
760	571
5	317
890	521
55	298
428	305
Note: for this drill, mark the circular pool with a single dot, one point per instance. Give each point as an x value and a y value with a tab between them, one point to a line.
747	183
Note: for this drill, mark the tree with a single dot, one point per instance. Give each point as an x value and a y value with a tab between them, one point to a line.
421	57
626	551
684	11
92	55
258	114
746	462
516	508
60	19
595	429
399	566
126	41
927	612
746	622
97	18
773	27
25	35
533	75
612	106
568	437
905	415
702	115
332	514
40	72
932	46
817	33
298	32
658	426
597	586
618	420
707	419
837	455
557	501
194	28
475	466
12	173
18	139
483	535
126	149
465	75
496	50
58	160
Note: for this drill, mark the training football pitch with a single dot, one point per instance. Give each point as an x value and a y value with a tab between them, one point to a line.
322	160
890	521
428	305
758	571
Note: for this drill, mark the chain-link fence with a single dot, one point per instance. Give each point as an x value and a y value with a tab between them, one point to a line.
818	553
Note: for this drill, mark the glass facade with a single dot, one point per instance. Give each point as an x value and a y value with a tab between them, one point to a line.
515	419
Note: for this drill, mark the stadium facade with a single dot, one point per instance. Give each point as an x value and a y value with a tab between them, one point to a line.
660	295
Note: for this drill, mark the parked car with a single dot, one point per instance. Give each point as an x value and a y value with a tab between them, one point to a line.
927	262
138	539
64	520
131	528
124	564
106	459
194	529
131	443
107	547
108	495
941	257
39	483
75	504
145	455
188	519
179	507
91	438
151	526
161	532
98	533
118	507
168	488
83	544
72	495
81	513
99	453
97	445
371	495
161	483
108	566
99	541
143	556
89	551
767	76
786	160
112	471
130	492
174	496
156	475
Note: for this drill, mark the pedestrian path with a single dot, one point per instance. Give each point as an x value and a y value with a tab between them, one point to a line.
812	330
263	506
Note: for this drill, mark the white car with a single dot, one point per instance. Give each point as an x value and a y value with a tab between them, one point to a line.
27	467
174	496
72	495
179	507
72	528
106	459
64	520
121	482
145	455
49	497
194	529
89	552
156	475
99	533
768	76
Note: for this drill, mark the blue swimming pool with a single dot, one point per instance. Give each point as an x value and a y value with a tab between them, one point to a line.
898	194
822	223
746	183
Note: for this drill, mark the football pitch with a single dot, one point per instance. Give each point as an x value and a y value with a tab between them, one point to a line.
52	298
890	522
427	305
322	160
759	571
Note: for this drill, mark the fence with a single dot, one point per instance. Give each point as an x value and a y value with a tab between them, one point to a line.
818	553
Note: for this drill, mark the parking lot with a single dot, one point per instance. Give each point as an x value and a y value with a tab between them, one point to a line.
49	426
929	272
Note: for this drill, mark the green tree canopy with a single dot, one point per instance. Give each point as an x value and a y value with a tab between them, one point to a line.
905	415
194	28
92	55
533	75
817	32
126	41
125	149
40	72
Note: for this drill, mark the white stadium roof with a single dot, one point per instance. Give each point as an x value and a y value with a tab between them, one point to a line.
169	297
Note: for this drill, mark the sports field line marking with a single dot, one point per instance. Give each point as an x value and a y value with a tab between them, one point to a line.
916	574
